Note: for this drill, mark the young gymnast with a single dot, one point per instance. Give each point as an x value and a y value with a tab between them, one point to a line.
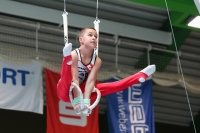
81	66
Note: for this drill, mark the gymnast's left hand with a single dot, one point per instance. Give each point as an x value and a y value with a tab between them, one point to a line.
67	49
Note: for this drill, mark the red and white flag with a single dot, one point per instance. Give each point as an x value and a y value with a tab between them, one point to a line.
61	117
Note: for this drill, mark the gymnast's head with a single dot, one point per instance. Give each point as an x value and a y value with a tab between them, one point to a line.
87	34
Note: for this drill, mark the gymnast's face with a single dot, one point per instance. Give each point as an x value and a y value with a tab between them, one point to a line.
89	38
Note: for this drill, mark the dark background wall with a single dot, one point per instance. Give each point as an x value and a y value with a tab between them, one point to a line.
22	122
26	122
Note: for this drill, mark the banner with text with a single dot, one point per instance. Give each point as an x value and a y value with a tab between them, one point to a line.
21	86
131	110
61	117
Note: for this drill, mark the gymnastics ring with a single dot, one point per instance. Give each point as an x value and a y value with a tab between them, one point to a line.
89	110
73	85
97	99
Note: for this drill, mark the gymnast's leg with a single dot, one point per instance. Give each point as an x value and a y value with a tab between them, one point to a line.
64	82
112	87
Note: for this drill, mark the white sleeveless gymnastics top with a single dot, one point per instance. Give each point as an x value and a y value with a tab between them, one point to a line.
84	70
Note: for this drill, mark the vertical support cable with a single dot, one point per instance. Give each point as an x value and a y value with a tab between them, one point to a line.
97	10
77	37
178	70
96	26
64	6
117	42
181	71
148	55
178	56
36	39
116	56
65	25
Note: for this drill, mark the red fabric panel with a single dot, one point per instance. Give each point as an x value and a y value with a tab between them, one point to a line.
60	115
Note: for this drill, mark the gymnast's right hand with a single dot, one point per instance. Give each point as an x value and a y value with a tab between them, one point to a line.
67	49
